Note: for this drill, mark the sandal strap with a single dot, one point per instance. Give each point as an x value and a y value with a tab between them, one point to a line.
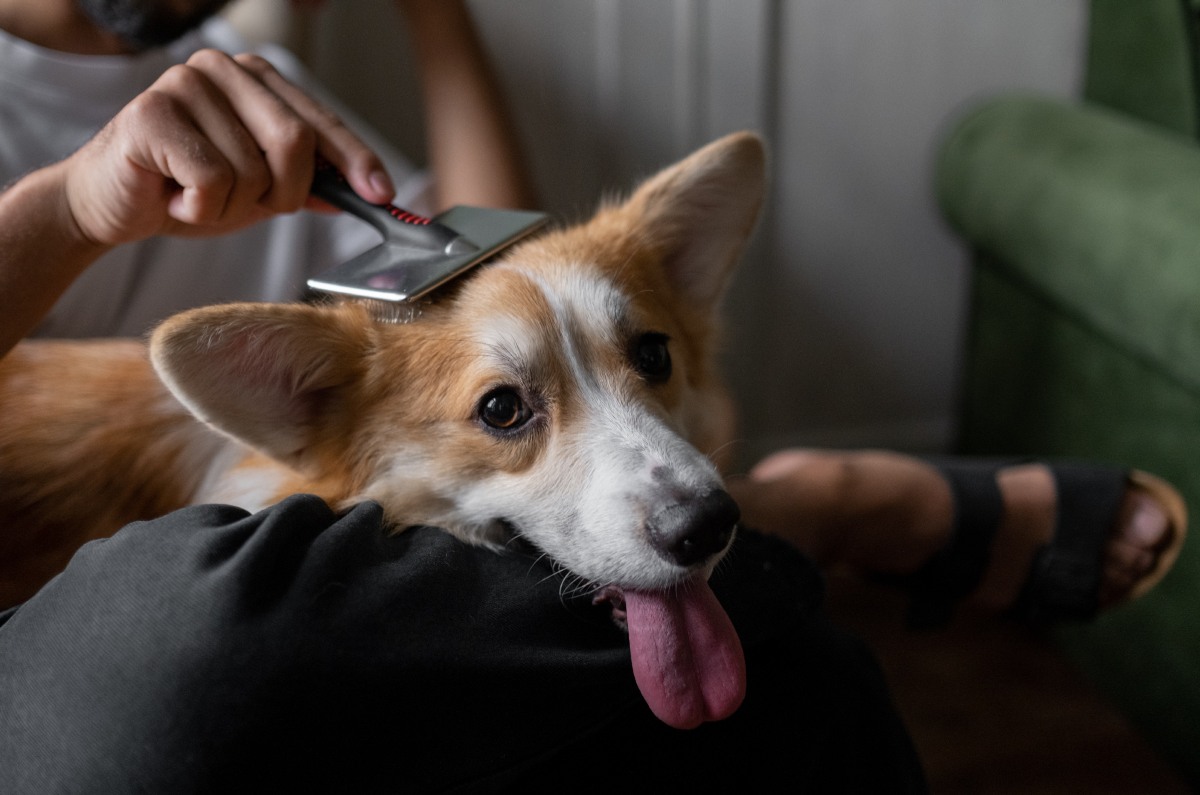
1064	579
954	571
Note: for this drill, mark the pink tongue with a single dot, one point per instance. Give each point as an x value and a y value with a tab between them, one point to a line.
687	658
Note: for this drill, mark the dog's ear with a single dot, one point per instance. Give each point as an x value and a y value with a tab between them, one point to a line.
265	374
700	213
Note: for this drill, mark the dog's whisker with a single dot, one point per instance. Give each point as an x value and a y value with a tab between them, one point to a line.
716	451
557	573
582	585
556	570
565	588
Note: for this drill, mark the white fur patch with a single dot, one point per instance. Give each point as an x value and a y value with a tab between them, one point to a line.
251	487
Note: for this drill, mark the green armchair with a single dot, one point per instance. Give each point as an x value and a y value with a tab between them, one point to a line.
1084	339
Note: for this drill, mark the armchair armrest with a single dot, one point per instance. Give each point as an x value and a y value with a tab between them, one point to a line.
1089	210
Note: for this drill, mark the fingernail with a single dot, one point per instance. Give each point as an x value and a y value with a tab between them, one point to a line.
382	183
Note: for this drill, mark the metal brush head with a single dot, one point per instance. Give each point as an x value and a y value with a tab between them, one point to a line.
417	254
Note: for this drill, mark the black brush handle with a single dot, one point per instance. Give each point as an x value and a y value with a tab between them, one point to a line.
394	223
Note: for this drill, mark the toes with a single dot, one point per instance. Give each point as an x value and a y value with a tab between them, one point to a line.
1144	522
1125	564
1120	556
1143	530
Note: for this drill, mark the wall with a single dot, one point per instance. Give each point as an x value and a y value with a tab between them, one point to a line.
846	321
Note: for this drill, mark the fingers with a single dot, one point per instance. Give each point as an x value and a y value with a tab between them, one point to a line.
336	142
194	137
268	146
213	145
281	128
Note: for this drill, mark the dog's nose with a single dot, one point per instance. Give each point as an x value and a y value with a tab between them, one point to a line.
689	532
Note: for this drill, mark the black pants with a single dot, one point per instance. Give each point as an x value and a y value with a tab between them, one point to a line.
297	650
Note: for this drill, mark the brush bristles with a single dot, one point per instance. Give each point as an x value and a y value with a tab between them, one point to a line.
393	312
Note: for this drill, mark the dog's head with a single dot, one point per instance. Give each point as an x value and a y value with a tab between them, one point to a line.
566	392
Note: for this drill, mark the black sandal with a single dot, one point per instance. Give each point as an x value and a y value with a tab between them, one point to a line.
1064	579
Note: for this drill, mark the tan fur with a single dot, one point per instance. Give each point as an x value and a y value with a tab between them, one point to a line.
90	441
325	401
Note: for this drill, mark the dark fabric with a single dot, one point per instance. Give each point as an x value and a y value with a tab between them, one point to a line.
294	650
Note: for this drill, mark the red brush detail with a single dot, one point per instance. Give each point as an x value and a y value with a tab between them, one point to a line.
407	217
399	213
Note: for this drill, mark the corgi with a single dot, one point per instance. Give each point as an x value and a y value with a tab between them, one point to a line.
566	393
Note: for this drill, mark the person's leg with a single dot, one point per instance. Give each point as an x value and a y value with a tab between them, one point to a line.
212	650
885	512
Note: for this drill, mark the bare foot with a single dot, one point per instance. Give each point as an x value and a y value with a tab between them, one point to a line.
888	513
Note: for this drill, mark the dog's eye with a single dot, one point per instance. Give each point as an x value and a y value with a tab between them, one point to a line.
503	410
651	357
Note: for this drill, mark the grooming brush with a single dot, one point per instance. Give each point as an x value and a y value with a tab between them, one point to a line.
417	254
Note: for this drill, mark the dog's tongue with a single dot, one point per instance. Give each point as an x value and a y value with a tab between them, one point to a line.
687	658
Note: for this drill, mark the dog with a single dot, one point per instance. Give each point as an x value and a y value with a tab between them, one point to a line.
566	392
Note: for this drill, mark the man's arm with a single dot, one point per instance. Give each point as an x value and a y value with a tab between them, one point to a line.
473	149
42	250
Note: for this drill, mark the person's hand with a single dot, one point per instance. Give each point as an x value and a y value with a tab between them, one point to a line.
213	145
